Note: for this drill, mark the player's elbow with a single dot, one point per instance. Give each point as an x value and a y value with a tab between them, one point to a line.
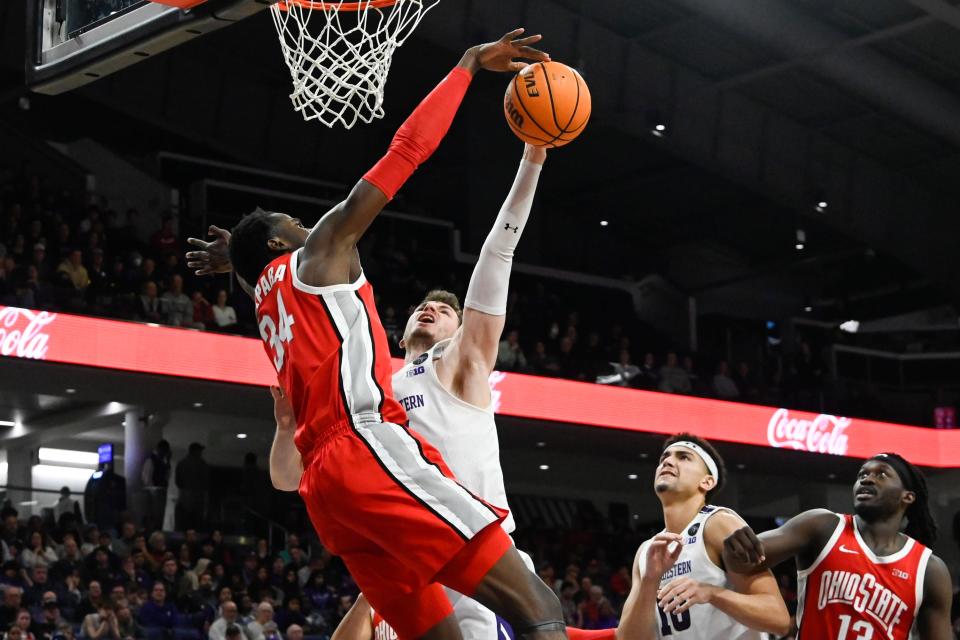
779	624
284	482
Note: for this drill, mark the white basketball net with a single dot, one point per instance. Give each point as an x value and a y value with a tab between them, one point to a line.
339	60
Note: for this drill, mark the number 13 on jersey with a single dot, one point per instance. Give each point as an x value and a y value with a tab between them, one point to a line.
275	333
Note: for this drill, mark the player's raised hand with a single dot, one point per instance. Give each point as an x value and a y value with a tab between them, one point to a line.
500	55
283	410
682	593
536	155
743	551
214	256
662	553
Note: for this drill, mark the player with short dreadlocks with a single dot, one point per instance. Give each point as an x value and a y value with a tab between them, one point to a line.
861	576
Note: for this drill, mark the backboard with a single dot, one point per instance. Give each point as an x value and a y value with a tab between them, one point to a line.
73	42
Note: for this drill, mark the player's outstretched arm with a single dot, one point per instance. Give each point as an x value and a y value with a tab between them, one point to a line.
755	599
357	624
803	536
640	618
933	619
286	467
474	347
334	238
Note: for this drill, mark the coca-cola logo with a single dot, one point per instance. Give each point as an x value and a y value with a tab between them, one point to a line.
823	434
20	332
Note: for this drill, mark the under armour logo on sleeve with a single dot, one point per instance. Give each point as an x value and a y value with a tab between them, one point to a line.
509	228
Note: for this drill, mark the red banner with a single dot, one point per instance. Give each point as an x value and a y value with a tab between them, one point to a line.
149	348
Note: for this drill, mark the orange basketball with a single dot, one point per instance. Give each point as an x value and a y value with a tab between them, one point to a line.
547	104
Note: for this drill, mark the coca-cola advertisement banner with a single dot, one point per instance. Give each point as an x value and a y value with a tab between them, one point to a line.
148	348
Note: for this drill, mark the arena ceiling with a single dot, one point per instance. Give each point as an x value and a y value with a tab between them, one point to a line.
770	107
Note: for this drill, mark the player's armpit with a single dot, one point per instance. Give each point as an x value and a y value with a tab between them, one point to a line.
933	619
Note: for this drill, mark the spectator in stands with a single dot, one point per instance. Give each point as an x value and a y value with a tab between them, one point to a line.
147	271
674	379
44	270
158	611
596	612
38	552
295	632
126	623
649	377
569	364
229	617
175	584
542	363
66	504
123	546
567	604
510	356
624	372
73	271
49	618
23	622
150	308
746	383
723	385
292	612
264	616
164	241
12	602
193	480
39	583
155	475
102	624
176	307
92	602
224	315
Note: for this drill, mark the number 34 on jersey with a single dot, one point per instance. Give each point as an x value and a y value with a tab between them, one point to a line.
277	332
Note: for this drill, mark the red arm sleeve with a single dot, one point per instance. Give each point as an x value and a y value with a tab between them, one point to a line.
420	135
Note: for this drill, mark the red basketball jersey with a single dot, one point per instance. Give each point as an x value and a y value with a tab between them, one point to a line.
329	348
849	593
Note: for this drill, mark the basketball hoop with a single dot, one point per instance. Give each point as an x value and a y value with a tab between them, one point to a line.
339	53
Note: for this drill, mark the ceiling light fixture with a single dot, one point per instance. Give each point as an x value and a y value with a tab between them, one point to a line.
544	467
801	239
241	435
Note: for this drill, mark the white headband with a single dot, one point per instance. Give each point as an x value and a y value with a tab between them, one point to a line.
700	451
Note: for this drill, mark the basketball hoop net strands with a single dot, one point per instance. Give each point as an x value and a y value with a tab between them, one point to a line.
339	53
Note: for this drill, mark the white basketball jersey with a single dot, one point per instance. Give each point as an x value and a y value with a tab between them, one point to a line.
701	621
465	435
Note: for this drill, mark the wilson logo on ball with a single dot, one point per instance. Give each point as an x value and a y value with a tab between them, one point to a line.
513	113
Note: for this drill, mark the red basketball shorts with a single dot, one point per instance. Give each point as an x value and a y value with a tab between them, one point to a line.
383	499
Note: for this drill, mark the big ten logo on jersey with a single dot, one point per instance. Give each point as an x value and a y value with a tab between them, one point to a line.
692	533
266	282
415	371
866	595
277	332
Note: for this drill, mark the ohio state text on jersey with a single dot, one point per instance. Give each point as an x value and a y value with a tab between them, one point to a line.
850	593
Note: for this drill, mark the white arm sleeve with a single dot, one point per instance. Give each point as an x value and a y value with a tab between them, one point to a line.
490	280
